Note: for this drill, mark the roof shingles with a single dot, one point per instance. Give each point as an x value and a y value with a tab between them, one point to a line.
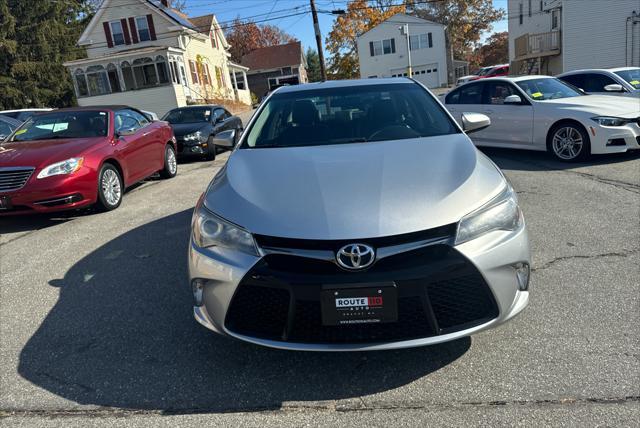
270	57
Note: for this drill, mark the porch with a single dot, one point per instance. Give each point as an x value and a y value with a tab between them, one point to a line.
240	84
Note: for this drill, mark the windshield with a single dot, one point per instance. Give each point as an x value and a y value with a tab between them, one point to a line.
188	115
547	89
69	124
348	115
630	76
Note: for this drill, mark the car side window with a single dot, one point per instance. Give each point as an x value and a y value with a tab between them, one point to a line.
5	129
596	82
217	114
453	97
497	92
471	94
127	121
576	80
141	118
227	115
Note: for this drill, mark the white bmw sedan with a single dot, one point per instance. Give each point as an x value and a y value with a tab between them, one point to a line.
544	113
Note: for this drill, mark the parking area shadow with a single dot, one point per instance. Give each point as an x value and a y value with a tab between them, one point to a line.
25	223
122	334
528	160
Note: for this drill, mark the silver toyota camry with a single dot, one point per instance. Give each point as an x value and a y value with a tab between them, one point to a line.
357	215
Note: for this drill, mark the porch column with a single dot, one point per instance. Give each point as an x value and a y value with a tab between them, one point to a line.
244	78
235	84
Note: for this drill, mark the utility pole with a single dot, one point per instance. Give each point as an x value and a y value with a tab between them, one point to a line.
316	27
405	30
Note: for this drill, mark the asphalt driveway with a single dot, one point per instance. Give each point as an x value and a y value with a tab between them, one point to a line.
95	322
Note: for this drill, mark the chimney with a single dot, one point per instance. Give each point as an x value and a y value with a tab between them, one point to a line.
165	3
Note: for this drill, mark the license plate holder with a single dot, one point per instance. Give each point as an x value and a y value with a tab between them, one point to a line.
357	304
5	203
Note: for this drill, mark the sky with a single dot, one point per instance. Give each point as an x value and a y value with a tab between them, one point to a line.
292	16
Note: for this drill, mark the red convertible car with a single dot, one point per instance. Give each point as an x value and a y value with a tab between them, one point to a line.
77	157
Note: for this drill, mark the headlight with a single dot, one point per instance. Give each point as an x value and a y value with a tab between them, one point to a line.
193	137
610	121
210	230
501	213
68	166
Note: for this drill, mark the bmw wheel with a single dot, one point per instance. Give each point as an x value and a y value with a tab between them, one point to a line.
110	188
569	142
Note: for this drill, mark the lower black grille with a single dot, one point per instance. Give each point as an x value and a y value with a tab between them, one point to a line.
14	178
439	291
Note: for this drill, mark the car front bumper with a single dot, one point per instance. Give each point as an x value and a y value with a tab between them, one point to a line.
614	139
493	256
55	193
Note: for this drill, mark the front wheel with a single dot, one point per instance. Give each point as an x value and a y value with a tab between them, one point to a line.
110	188
569	142
170	163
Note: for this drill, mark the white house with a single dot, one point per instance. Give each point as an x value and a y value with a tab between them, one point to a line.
555	36
382	51
147	55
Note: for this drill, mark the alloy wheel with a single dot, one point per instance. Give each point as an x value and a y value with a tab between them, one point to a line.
171	161
567	143
111	188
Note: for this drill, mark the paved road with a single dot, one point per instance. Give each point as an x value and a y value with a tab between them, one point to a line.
95	322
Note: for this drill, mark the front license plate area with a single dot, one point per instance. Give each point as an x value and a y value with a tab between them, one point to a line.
353	304
5	203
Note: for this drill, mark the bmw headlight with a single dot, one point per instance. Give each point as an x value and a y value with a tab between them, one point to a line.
501	213
195	136
68	166
209	230
610	121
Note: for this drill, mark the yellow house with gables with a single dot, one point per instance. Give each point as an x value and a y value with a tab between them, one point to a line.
147	55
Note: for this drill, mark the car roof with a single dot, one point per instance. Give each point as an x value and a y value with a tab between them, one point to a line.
330	84
198	106
114	107
25	109
511	78
605	70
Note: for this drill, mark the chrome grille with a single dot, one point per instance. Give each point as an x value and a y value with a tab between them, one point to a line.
13	178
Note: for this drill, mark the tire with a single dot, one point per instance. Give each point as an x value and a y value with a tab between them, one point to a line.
170	163
211	155
569	142
110	188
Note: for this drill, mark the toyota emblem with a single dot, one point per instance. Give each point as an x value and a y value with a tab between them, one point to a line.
355	256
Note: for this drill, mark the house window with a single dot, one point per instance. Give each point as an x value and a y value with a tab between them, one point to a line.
272	83
213	39
163	73
81	83
114	79
239	79
420	41
219	76
194	71
117	34
204	70
143	29
555	19
520	13
97	80
127	76
286	71
530	8
382	47
144	71
175	74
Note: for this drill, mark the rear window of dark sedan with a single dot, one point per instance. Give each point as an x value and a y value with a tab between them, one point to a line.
348	115
68	124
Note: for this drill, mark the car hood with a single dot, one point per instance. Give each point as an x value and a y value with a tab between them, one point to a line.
354	191
601	105
181	129
41	153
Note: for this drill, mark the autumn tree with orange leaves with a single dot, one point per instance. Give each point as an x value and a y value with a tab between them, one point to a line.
360	16
246	36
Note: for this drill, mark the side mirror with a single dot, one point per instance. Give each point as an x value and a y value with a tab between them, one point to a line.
225	138
615	87
473	122
218	119
513	99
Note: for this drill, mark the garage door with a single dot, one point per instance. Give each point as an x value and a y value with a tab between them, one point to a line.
425	74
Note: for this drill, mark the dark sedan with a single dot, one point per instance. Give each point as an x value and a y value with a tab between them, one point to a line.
196	126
